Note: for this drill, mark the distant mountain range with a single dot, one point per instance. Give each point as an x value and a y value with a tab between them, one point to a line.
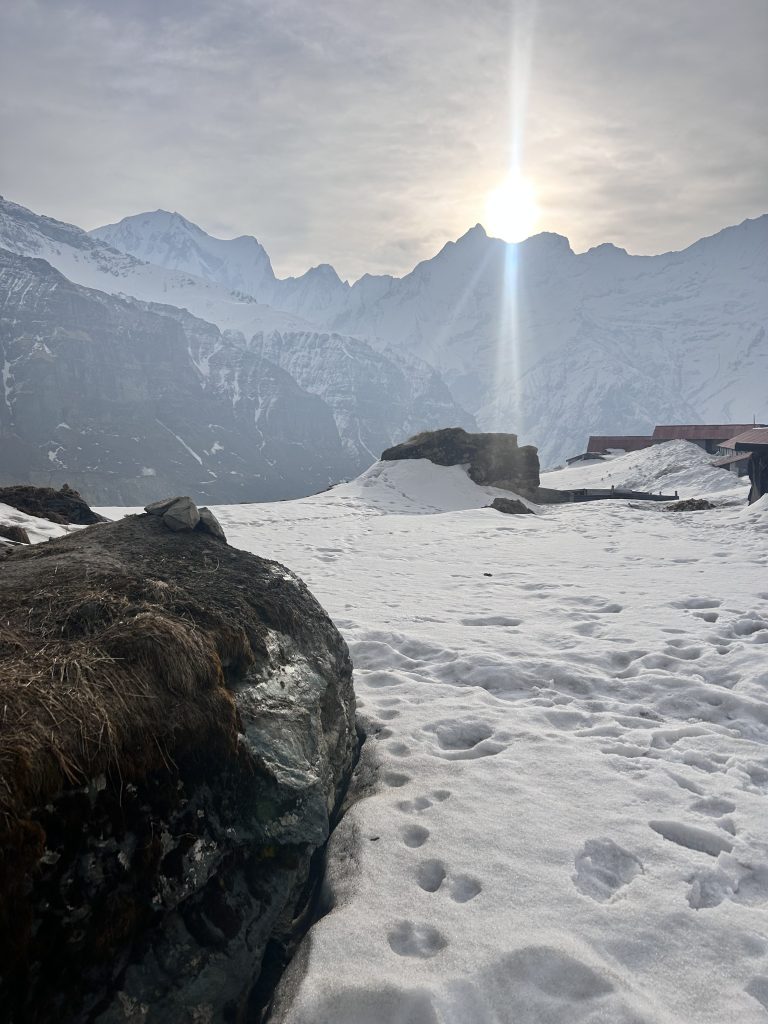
531	338
244	402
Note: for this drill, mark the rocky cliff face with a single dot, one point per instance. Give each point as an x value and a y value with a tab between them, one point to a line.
178	729
492	460
129	402
377	400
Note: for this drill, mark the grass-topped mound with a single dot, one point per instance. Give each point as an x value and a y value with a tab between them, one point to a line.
162	694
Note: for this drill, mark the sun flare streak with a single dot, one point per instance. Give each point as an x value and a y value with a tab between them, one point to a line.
512	212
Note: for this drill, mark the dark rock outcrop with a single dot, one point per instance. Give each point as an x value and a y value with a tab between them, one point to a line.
178	729
62	506
210	524
511	506
493	460
15	533
181	514
690	505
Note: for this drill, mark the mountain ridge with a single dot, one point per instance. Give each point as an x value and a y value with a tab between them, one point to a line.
531	338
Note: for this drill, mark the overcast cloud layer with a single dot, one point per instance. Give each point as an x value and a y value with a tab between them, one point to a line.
365	134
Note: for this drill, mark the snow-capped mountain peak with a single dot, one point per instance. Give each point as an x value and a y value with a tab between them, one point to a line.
170	240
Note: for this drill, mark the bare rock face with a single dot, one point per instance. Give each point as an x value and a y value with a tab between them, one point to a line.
493	460
510	506
178	731
181	515
211	524
62	506
15	533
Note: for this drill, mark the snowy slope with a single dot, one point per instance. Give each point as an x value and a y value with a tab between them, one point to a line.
563	814
419	487
535	338
94	264
673	466
241	264
37	529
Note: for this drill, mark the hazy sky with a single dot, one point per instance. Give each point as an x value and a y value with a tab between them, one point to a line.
365	134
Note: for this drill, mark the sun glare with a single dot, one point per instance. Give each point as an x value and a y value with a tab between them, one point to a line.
511	211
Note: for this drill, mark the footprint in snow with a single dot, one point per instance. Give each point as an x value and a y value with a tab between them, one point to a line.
399	749
464	740
416	940
396	779
603	867
416	806
415	836
758	989
431	874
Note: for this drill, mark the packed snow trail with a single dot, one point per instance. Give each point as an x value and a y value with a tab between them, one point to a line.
569	715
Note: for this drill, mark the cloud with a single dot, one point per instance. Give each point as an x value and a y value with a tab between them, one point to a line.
365	134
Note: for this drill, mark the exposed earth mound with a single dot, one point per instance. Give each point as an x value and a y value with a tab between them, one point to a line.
62	506
510	506
493	460
690	505
178	728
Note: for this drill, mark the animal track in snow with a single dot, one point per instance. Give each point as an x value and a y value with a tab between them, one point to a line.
537	975
396	779
387	714
399	749
420	803
415	836
430	875
464	888
603	867
417	940
758	989
692	837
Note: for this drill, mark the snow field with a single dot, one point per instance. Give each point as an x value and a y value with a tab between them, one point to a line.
567	725
673	466
37	529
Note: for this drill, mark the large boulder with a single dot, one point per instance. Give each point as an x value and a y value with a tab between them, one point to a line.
15	533
492	460
62	506
178	730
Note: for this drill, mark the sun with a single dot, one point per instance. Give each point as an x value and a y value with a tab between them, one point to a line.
511	211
